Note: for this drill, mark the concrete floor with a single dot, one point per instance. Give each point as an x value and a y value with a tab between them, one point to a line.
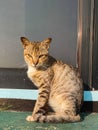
16	121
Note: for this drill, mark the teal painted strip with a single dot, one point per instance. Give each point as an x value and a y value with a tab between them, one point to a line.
33	94
19	94
90	95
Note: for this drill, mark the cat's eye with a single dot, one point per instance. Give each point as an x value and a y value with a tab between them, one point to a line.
29	55
41	56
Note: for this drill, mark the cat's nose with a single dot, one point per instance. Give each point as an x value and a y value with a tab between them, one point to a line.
35	62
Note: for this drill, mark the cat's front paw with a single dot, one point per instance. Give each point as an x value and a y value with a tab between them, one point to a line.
34	117
30	118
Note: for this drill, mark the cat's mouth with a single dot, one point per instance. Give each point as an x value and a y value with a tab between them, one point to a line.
33	65
36	66
42	67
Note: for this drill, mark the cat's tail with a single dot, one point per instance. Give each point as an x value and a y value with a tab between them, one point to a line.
59	118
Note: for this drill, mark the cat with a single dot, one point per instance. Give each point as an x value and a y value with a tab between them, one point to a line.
60	85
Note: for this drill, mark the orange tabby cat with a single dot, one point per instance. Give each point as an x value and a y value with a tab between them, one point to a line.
59	84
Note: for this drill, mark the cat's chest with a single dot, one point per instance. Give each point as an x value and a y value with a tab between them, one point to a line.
35	76
31	72
39	77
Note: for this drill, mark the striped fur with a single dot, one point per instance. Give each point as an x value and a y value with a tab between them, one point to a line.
59	84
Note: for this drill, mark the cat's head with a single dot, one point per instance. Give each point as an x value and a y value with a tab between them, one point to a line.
36	53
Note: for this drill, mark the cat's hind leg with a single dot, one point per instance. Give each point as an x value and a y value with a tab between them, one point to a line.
66	112
55	118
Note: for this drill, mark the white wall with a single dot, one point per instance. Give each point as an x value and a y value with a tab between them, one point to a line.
37	19
12	26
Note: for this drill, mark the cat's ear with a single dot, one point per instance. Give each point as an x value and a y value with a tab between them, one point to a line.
46	43
24	41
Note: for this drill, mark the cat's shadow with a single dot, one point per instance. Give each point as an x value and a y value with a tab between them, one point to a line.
84	115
